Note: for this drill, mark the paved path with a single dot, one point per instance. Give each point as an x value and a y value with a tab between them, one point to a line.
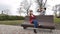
9	29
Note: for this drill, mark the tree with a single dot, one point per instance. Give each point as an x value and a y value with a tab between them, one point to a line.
41	3
20	11
56	9
24	6
6	11
59	11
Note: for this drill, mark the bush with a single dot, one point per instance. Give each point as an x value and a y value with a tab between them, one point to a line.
20	18
6	17
16	18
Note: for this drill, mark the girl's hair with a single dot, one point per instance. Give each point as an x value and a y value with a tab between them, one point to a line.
31	12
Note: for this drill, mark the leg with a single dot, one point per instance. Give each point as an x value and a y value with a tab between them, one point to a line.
24	27
35	25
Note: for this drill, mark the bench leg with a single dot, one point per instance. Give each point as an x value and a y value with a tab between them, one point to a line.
24	27
35	31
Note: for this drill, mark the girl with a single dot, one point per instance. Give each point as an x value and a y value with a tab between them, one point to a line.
31	17
33	20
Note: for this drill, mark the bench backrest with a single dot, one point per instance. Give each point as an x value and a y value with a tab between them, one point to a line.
45	18
42	18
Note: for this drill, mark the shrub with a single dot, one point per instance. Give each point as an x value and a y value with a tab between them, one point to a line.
6	17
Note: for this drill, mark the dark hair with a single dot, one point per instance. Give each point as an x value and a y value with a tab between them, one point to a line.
31	11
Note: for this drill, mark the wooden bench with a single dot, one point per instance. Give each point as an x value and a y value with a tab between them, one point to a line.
45	21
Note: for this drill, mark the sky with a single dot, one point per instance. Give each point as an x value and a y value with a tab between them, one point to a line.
12	5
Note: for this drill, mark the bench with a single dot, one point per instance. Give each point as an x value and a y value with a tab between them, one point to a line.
45	21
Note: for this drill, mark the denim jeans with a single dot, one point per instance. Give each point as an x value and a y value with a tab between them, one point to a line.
35	22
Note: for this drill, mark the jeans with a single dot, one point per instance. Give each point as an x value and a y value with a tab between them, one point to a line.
35	22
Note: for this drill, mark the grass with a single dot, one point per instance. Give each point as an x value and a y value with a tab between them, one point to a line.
12	22
57	20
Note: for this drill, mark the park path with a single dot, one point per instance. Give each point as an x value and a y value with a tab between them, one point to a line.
9	29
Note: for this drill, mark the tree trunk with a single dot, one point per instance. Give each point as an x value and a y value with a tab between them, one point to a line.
56	14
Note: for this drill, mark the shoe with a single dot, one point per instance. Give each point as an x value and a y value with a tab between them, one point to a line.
35	31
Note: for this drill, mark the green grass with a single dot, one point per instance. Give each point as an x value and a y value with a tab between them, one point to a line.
12	22
57	20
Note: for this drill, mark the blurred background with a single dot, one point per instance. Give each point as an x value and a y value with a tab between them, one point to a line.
18	9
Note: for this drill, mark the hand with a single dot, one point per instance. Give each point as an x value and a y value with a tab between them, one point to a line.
32	15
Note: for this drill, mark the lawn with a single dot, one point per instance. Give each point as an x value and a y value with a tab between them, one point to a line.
57	20
12	22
